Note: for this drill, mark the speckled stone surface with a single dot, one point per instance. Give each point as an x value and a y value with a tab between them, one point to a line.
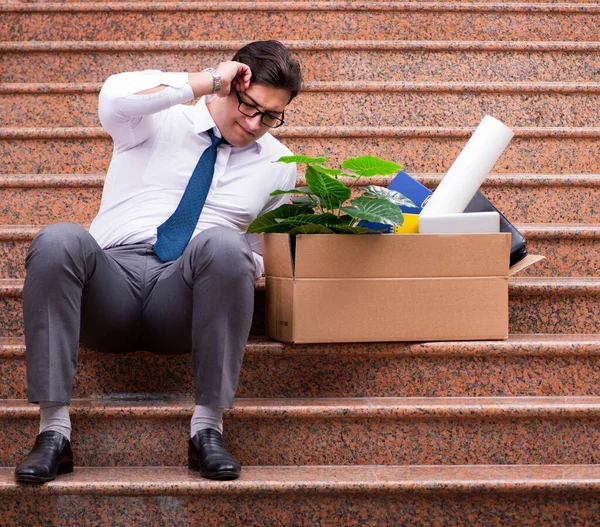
554	305
284	496
348	1
570	249
45	199
537	365
337	20
553	151
321	60
313	480
417	151
428	404
323	431
557	198
373	107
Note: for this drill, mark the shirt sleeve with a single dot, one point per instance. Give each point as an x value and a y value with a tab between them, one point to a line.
129	118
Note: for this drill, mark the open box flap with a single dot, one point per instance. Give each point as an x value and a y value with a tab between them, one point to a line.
279	262
530	259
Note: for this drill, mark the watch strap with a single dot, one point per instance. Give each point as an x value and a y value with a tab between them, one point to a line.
216	79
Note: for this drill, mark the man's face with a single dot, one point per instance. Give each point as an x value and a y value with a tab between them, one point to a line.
239	129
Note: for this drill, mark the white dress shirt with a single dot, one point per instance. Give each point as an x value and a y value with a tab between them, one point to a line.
157	143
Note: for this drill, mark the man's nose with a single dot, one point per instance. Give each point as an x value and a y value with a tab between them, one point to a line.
254	122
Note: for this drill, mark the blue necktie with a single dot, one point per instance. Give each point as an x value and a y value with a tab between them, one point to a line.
175	233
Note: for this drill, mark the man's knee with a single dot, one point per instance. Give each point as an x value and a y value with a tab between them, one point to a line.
57	244
223	249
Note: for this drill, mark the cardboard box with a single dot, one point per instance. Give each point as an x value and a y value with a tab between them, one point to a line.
387	287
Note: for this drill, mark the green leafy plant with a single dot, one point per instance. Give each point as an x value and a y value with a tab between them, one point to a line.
324	206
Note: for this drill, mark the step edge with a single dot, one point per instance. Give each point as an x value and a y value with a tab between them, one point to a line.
494	179
523	407
303	480
524	286
379	6
302	45
349	86
92	132
517	345
533	231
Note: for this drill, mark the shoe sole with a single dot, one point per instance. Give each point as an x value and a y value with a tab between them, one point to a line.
222	475
65	468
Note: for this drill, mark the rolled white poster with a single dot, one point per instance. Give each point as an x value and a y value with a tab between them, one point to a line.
471	167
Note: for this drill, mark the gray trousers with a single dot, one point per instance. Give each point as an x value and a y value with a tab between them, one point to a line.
124	299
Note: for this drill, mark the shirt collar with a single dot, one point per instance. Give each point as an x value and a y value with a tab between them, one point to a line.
203	122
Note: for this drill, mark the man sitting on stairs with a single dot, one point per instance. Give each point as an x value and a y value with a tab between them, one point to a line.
166	266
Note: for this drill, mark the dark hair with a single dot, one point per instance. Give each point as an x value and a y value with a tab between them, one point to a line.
271	65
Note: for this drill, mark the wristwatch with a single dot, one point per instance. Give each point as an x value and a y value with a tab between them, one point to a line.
216	79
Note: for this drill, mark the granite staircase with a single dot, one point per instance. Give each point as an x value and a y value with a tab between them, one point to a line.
456	433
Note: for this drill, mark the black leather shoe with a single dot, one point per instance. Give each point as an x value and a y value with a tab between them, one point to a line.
208	455
50	456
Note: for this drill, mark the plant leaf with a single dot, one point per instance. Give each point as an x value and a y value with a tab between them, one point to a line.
328	171
377	210
330	190
374	191
301	196
311	229
346	219
309	200
371	166
301	159
292	191
267	221
306	219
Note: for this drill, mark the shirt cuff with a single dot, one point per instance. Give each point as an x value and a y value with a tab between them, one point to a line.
259	266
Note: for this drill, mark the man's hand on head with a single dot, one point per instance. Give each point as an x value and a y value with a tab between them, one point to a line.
233	73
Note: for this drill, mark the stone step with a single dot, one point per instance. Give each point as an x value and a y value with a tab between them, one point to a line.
534	198
346	104
141	21
570	249
419	149
536	305
570	2
554	305
321	431
526	495
364	60
534	365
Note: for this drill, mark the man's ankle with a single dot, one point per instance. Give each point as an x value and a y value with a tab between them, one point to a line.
206	417
55	416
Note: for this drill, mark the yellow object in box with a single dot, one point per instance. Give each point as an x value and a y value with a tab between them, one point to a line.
410	225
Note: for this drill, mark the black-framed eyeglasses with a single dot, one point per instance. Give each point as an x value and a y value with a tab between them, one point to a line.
266	118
